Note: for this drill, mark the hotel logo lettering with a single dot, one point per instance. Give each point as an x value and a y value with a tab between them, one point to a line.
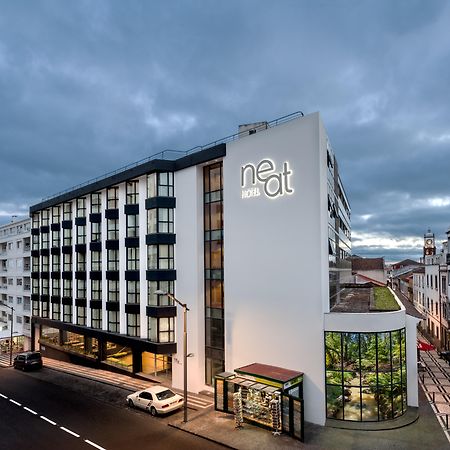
264	178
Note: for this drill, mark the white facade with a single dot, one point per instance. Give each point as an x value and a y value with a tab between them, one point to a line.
15	281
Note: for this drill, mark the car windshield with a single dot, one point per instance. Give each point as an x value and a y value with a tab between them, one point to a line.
164	395
34	356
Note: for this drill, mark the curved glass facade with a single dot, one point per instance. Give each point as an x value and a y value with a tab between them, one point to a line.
365	375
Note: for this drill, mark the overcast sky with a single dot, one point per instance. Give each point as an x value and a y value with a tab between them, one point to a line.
89	86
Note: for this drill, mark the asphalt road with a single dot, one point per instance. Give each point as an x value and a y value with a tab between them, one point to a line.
43	410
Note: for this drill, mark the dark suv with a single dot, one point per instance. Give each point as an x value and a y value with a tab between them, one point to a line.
28	361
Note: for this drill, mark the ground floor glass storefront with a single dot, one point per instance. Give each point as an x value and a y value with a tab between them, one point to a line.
106	352
365	375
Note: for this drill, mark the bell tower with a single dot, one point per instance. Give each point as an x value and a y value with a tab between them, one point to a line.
429	246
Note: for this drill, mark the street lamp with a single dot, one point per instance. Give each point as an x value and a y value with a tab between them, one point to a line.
185	355
12	322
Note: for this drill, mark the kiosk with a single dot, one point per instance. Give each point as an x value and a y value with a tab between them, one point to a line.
269	396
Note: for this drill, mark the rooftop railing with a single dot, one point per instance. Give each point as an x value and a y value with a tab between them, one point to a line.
172	155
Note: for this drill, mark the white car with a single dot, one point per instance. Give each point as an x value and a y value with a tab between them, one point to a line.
155	400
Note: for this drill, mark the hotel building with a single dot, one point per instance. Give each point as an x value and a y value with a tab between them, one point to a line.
253	234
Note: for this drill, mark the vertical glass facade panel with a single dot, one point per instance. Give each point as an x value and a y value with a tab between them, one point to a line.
213	260
365	375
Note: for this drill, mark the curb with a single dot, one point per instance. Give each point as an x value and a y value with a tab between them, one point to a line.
201	436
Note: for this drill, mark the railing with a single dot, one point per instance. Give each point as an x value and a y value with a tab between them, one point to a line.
172	155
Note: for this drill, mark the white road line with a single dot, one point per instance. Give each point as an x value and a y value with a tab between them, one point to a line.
16	403
3	396
94	444
70	432
48	420
30	410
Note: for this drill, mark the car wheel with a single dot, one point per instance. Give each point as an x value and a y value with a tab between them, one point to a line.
153	411
130	403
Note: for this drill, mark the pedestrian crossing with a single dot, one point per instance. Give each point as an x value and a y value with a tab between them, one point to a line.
104	376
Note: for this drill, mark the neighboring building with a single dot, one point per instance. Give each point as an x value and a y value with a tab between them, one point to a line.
253	234
430	287
372	269
15	285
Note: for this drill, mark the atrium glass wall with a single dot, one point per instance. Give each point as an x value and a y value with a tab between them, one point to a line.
365	375
214	296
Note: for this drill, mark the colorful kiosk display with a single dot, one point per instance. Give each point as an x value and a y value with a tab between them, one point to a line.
269	396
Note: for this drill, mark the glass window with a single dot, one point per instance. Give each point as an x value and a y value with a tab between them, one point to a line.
96	232
96	318
56	240
96	203
96	289
160	256
113	290
67	313
161	329
56	311
133	325
67	236
113	321
81	234
67	262
133	291
159	300
133	225
81	288
81	262
67	288
113	197
81	315
45	214
160	220
81	207
56	287
160	185
96	261
132	188
67	211
365	375
56	214
133	258
113	259
113	228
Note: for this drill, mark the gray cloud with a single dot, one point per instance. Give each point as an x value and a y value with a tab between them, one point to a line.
86	87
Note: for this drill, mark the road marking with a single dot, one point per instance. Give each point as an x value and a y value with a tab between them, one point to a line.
48	420
16	403
30	410
94	444
70	432
3	396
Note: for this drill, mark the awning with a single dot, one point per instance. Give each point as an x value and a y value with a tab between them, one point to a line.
424	346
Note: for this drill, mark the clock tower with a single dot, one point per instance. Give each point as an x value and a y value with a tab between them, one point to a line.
429	247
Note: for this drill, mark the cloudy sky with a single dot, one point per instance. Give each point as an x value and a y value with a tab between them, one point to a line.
89	86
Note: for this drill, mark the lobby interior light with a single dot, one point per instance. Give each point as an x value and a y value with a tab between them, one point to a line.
185	354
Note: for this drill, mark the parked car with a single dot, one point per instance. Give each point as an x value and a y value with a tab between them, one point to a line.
445	355
155	400
28	361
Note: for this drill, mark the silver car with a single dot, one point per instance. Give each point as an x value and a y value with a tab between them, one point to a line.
155	400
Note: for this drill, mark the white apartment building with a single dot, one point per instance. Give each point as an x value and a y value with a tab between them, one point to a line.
15	285
430	292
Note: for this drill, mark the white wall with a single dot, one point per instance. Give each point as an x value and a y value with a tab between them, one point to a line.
276	258
189	286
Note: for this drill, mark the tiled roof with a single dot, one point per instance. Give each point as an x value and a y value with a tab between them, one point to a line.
367	264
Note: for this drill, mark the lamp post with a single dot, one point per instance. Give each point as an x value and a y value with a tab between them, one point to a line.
185	355
12	323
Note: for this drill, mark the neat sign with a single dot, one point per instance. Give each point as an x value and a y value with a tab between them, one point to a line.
264	179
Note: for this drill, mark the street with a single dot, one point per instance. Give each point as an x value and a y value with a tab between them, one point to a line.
39	411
